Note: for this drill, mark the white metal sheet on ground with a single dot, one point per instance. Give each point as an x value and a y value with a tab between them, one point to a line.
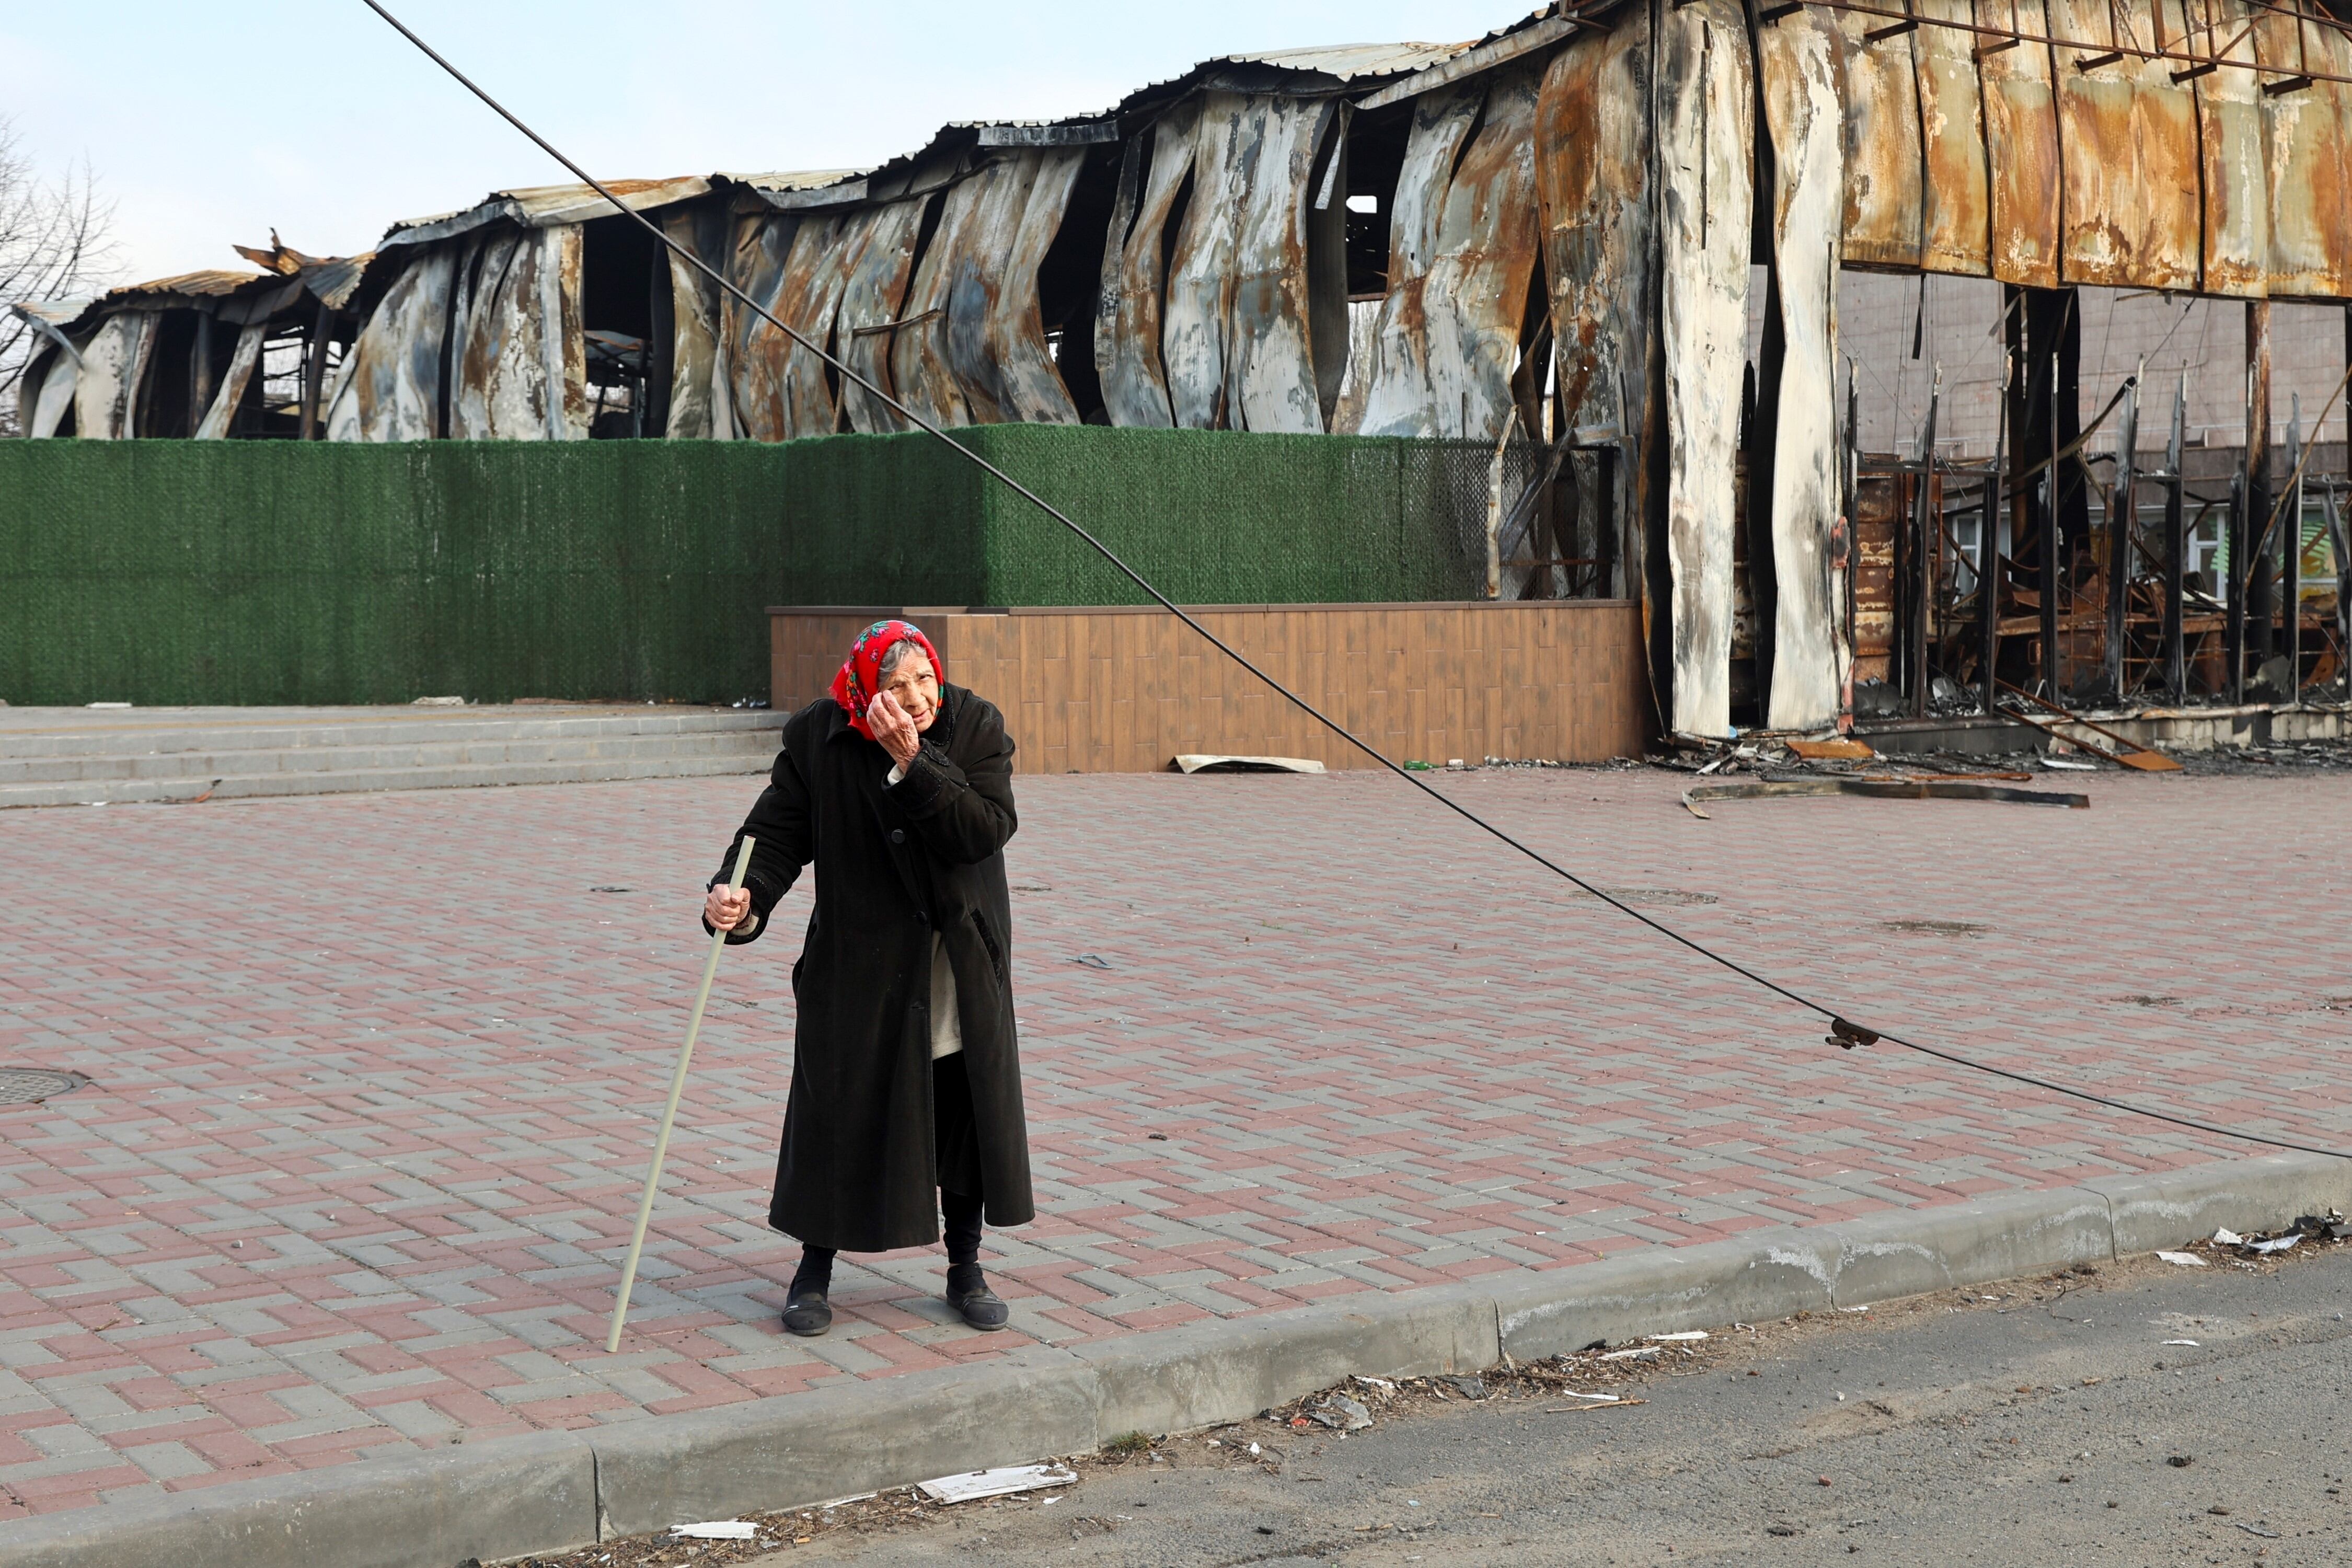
976	1484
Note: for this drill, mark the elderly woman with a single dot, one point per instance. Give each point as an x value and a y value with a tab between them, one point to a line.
906	1074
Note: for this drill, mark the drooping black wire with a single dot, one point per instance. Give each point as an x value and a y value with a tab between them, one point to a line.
1848	1033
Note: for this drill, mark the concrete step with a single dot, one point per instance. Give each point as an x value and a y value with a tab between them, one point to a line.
163	735
67	757
757	745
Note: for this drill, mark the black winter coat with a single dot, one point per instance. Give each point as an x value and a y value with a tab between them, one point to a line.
857	1170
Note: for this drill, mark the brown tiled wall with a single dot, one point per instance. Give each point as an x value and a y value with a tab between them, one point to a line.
1124	690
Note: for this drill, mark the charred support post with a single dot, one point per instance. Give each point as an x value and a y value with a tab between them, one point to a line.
1988	571
2234	635
2176	549
314	371
2254	567
1914	555
2122	505
2070	507
200	372
2290	529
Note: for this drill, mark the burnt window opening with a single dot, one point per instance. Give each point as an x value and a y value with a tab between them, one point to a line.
621	267
1376	149
167	391
1069	280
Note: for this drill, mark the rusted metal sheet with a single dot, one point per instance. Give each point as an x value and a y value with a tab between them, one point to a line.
242	361
1271	382
1009	357
1462	256
113	362
789	264
700	405
2311	253
972	349
1880	503
2233	146
1798	64
1601	236
1956	211
1199	308
2020	145
879	264
394	392
1882	146
1705	160
520	359
2128	139
1129	312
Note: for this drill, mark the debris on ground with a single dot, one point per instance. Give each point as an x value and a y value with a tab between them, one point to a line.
718	1530
2182	1259
974	1485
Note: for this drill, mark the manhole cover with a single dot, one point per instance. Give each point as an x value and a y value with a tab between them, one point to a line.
30	1086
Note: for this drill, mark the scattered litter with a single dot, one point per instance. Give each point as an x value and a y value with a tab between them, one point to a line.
107	705
1341	1413
2228	1238
425	702
719	1530
2276	1243
1472	1387
1638	1353
1686	1334
2180	1461
1001	1483
1092	960
1383	1384
2182	1259
2073	767
2255	1530
1204	763
1603	1398
2192	1344
1853	1309
1048	1502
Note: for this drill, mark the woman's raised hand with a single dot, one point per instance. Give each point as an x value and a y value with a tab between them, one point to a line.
725	906
893	729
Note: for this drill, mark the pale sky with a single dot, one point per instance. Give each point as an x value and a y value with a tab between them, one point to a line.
208	124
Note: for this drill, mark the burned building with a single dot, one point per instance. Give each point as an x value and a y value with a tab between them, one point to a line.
1610	237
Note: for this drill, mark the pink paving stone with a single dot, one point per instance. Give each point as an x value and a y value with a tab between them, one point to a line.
468	1099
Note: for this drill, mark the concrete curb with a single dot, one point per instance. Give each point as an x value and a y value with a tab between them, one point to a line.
551	1491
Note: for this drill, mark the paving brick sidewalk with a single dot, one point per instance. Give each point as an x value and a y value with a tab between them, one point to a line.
375	1075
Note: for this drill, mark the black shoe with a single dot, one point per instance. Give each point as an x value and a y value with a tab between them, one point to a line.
977	1305
808	1314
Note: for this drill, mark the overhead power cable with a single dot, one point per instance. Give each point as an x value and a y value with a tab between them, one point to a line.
1843	1032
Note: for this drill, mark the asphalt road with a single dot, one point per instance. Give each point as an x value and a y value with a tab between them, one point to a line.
2042	1425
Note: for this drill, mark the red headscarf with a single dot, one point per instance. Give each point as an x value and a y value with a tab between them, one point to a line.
860	676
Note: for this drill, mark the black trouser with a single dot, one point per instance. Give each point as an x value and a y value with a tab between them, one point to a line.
955	1136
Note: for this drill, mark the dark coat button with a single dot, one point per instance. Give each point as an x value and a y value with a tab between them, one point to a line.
898	836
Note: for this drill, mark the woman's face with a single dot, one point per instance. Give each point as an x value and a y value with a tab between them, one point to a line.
916	687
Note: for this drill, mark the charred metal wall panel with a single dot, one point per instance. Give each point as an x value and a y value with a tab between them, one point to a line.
1600	226
1956	212
972	349
1272	385
393	391
1130	314
1798	65
2308	179
1198	296
112	363
1706	110
701	407
1462	258
1882	147
520	359
2129	138
2233	145
880	265
2022	147
53	398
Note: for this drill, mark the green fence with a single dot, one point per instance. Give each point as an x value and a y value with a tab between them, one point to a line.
176	571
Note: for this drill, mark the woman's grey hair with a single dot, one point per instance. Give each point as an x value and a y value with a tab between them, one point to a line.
896	655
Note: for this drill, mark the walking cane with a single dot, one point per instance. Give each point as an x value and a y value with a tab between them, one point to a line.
670	1111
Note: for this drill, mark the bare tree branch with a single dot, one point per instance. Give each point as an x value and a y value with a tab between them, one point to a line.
55	243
